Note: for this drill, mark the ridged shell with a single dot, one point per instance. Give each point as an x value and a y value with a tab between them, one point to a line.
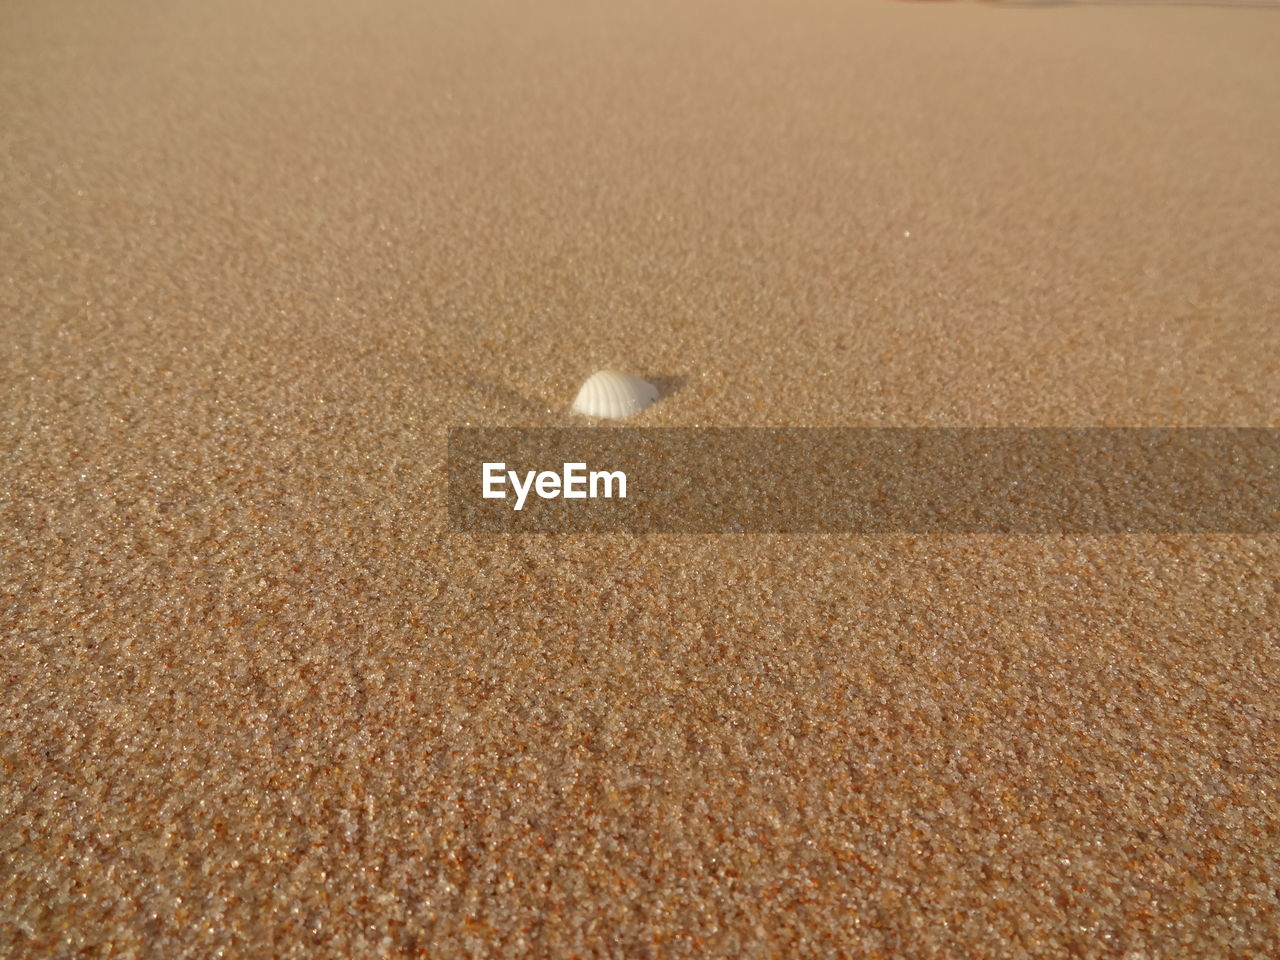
613	395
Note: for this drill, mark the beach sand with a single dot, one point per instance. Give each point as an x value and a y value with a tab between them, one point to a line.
257	701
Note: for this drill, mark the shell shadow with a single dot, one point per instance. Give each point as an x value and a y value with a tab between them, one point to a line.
667	385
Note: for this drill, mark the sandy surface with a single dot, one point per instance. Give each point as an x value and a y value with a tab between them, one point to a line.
256	701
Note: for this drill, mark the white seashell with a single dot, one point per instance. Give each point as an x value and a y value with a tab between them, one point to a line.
613	395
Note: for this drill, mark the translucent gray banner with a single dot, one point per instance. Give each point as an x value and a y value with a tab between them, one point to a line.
894	480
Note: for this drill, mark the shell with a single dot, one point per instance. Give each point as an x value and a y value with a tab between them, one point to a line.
613	395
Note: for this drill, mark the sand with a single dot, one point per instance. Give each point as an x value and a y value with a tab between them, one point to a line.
257	701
